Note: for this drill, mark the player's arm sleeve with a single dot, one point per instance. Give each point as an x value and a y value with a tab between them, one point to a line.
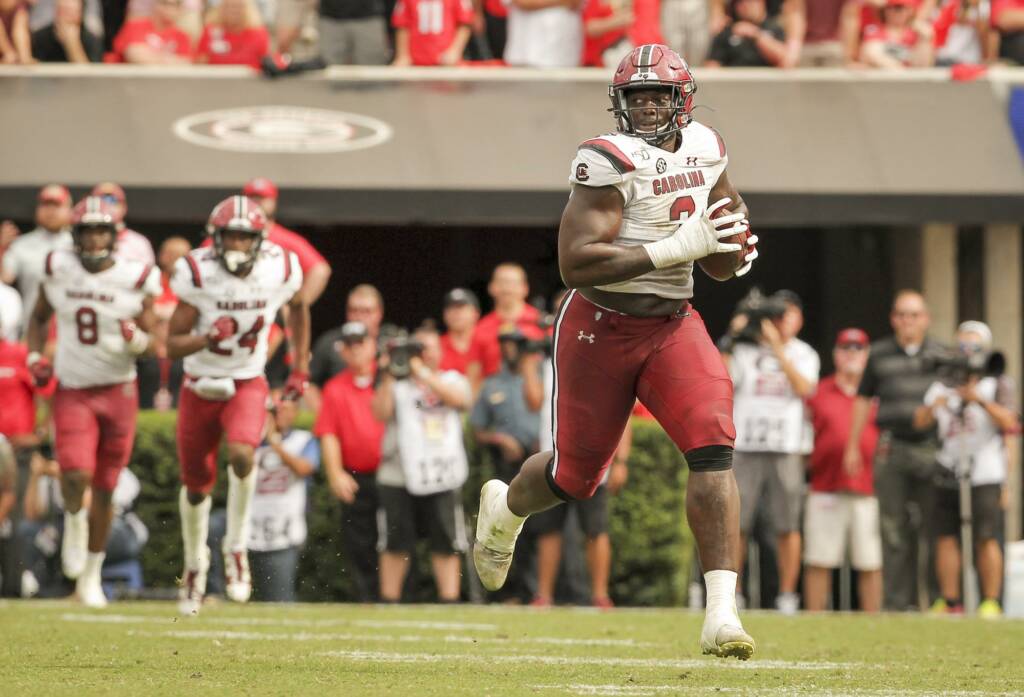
151	286
325	422
599	162
294	274
186	281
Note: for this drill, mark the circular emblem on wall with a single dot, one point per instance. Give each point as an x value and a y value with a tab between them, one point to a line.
282	129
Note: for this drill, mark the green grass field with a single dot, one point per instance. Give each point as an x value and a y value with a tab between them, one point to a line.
49	648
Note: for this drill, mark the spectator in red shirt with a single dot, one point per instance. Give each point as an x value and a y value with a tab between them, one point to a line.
315	269
461	313
15	38
509	289
155	40
18	415
431	32
961	32
604	31
900	41
350	447
234	35
841	505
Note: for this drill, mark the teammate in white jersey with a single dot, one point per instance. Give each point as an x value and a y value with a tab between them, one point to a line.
104	307
645	205
229	294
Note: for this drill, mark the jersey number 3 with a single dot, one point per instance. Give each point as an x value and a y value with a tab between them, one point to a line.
683	204
248	340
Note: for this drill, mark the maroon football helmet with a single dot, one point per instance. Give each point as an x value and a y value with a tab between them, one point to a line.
653	66
93	212
238	214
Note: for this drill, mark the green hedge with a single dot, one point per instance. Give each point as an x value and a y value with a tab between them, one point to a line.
651	544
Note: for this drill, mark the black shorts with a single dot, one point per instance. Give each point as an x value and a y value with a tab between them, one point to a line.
402	519
987	516
592	512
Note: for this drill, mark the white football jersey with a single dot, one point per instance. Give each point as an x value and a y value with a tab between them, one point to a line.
660	189
251	302
770	417
89	307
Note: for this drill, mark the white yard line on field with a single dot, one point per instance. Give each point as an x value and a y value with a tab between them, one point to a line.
675	663
407	638
638	690
271	622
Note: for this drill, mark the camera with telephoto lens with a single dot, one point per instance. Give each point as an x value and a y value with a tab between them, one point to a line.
756	307
957	367
400	350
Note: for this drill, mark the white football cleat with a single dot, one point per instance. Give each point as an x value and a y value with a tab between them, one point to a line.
495	541
193	585
726	640
90	591
237	581
74	545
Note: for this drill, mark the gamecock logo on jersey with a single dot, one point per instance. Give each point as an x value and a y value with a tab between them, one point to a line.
282	129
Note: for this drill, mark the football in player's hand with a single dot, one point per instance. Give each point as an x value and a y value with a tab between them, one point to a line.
723	266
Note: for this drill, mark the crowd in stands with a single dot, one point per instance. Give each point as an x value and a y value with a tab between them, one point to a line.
863	464
880	34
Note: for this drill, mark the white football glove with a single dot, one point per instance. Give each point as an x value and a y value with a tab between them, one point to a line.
750	256
699	236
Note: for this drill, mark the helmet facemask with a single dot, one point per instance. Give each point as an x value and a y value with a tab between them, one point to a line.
681	104
236	261
93	260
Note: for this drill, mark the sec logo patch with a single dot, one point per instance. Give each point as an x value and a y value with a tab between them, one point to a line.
661	165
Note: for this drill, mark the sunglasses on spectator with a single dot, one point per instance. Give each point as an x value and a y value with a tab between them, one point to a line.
851	347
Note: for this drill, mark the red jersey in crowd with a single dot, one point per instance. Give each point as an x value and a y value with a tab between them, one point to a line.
646	28
346	414
169	40
18	415
218	46
496	8
1001	6
292	241
485	348
831	412
431	25
898	43
452	358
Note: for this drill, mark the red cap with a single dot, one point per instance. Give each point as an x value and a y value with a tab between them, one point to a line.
109	189
260	187
852	335
54	193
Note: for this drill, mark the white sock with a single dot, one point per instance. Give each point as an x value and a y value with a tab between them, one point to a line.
240	493
76	525
195	525
721	598
508	518
94	565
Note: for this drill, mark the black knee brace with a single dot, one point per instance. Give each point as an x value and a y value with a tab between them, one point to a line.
555	489
710	458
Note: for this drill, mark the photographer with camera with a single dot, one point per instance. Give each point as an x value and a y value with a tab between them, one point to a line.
973	414
773	372
423	462
900	370
284	462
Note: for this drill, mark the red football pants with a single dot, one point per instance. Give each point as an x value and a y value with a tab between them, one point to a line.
605	360
202	422
95	430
